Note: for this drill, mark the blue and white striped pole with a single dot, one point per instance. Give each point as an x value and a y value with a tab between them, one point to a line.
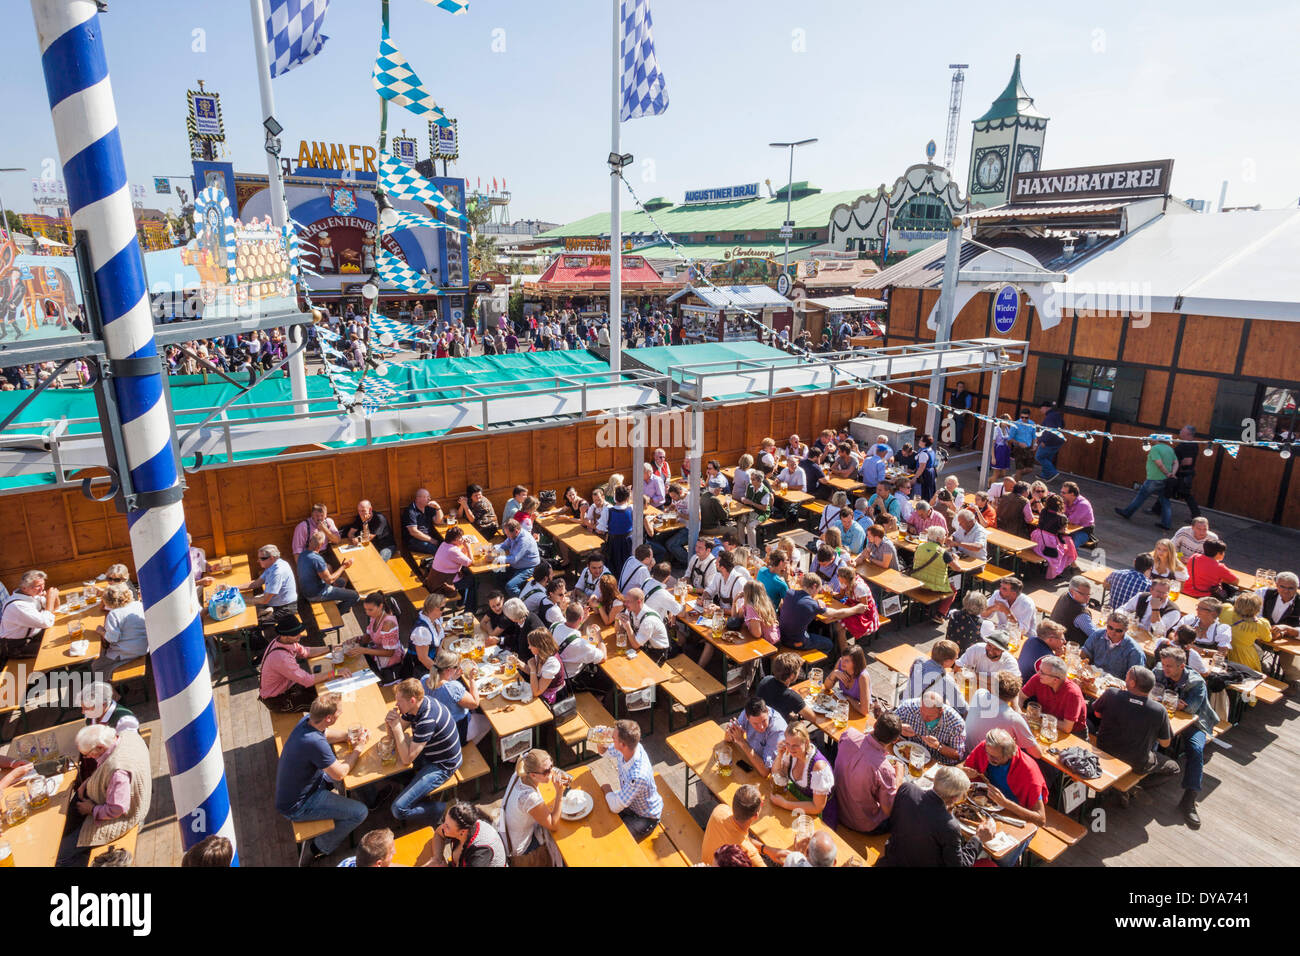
90	148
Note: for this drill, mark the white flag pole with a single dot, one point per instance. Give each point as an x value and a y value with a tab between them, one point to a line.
615	222
275	184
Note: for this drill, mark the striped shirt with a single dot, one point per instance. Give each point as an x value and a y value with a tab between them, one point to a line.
636	786
432	726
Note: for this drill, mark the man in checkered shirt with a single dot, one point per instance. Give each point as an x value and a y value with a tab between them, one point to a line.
1126	585
637	800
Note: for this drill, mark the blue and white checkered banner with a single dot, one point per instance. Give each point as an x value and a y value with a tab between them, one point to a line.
398	330
413	220
644	91
396	272
451	6
396	82
402	181
293	33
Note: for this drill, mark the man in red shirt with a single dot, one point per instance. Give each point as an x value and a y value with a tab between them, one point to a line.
1016	784
1056	694
286	687
865	783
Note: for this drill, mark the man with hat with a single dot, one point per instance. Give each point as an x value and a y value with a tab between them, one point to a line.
989	656
284	686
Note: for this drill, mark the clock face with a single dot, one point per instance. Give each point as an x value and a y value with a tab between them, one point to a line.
1028	162
989	172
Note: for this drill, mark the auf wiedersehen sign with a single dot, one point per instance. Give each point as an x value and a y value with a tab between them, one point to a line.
1124	180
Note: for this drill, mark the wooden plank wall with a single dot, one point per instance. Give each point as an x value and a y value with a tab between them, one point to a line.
236	510
1184	358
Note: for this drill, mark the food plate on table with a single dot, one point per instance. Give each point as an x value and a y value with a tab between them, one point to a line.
462	645
518	691
576	804
823	704
489	687
903	750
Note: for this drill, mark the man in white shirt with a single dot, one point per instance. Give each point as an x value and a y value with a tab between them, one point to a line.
729	583
989	657
969	537
794	477
25	615
999	488
589	580
1010	603
658	595
702	569
644	627
636	569
1154	607
1190	538
576	652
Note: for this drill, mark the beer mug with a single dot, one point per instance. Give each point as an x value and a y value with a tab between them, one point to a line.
1048	729
387	750
38	792
816	676
723	754
354	734
1171	702
16	808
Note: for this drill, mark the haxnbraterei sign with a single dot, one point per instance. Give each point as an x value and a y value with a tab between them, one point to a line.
1120	181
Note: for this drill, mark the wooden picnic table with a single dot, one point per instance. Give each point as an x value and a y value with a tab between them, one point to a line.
695	746
857	719
507	717
743	652
598	839
791	496
1005	541
368	572
899	659
628	674
891	579
247	617
55	652
570	535
850	486
35	841
964	565
479	546
1112	768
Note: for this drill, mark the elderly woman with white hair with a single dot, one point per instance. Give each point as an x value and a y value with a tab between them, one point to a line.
123	630
115	798
922	829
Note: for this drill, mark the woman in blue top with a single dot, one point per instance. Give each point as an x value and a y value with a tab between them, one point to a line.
459	695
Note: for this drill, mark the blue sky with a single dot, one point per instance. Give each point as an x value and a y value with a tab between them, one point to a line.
529	83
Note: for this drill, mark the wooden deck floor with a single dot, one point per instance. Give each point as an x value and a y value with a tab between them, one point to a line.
1247	807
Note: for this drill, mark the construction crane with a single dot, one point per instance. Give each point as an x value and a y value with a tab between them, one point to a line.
954	113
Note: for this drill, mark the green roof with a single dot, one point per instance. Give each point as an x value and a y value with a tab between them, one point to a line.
810	211
1014	101
189	392
664	357
718	250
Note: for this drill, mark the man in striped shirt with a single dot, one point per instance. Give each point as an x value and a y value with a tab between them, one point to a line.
432	749
637	799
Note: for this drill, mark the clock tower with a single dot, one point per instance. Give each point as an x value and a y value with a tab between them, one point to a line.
1006	139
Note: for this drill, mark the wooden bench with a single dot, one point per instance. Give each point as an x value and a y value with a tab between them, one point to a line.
473	768
127	671
867	846
678	839
590	713
125	842
1127	782
302	832
1056	836
812	656
326	616
411	586
689	685
991	574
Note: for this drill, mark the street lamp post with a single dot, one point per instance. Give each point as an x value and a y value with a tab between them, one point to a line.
787	228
